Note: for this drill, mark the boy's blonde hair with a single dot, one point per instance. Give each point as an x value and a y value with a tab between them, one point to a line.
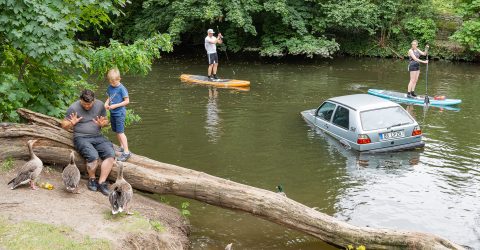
113	74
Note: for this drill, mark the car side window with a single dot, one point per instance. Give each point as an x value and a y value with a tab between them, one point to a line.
326	110
341	117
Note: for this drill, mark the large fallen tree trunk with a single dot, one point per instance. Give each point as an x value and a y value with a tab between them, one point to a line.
153	176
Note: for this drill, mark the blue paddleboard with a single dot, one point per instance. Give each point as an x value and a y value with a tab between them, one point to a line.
402	97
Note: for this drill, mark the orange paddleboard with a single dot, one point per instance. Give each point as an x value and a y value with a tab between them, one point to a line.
222	83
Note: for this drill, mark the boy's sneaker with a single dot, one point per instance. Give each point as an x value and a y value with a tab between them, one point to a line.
210	78
215	77
124	156
413	94
104	188
92	184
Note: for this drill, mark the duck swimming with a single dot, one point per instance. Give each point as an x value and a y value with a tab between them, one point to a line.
28	172
121	193
71	175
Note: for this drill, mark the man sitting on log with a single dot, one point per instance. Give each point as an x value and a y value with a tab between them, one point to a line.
87	116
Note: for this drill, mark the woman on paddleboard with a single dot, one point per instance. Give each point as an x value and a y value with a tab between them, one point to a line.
414	66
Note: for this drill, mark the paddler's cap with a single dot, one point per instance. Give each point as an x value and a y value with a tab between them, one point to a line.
210	31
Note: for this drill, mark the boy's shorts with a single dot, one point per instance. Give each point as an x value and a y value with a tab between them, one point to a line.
118	124
94	147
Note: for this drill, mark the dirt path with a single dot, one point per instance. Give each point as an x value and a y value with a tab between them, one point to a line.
153	226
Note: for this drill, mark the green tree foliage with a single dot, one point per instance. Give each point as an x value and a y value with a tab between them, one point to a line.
286	27
272	27
43	64
469	33
134	59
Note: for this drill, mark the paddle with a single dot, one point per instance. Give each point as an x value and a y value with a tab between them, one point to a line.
427	99
226	55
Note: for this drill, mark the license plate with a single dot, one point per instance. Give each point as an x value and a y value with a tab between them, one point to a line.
392	135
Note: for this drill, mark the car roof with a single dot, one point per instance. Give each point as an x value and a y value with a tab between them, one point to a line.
363	102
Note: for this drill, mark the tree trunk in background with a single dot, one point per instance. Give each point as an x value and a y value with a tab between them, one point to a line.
157	177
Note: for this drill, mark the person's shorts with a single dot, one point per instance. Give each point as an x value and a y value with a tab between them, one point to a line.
118	124
212	58
94	147
414	66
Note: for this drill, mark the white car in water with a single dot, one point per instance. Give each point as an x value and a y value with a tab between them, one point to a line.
367	123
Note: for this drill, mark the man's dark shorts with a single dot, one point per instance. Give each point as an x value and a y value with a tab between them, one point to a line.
212	58
118	124
94	147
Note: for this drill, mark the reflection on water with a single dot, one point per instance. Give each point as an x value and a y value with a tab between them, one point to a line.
258	138
213	120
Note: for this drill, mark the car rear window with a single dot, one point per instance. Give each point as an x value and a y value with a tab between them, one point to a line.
341	117
384	118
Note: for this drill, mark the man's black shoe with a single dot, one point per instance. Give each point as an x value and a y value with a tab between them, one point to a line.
103	187
215	77
210	78
92	184
413	94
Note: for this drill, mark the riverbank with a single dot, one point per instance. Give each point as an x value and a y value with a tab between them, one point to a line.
55	219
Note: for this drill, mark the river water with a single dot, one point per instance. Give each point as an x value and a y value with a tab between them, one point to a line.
258	138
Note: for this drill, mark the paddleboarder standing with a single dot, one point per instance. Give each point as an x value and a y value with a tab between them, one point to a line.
211	48
414	66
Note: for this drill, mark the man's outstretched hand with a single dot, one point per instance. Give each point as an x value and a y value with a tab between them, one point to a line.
74	119
101	121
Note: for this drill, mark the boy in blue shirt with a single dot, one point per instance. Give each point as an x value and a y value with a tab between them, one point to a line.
116	102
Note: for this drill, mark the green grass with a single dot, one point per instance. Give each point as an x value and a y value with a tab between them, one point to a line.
34	235
134	223
157	226
7	165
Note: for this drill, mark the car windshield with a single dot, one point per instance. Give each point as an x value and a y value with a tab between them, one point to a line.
384	118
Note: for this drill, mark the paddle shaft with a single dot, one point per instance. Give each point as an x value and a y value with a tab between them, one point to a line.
427	99
226	54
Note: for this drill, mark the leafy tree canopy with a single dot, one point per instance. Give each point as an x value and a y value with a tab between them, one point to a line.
469	33
280	27
43	64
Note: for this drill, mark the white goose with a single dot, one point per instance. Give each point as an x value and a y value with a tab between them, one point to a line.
121	193
30	171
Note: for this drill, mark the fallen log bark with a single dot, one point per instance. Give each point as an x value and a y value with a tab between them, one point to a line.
153	176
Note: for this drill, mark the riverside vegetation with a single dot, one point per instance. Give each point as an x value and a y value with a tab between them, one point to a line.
49	51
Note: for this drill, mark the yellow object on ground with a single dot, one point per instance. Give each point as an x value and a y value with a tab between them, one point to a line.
46	185
225	83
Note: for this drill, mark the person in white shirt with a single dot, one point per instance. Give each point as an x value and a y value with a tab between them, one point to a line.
211	47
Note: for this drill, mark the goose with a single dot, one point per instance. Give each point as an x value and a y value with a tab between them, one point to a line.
121	193
28	172
71	175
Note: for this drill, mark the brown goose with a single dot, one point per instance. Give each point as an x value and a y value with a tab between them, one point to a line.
71	175
121	193
28	172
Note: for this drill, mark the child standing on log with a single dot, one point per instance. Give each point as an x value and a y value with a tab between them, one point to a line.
116	102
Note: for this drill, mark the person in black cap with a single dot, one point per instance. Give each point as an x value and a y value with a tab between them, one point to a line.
211	48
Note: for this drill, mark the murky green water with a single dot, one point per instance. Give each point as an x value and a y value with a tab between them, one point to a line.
258	138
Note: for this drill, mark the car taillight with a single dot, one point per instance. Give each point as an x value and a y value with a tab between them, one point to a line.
363	139
416	131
